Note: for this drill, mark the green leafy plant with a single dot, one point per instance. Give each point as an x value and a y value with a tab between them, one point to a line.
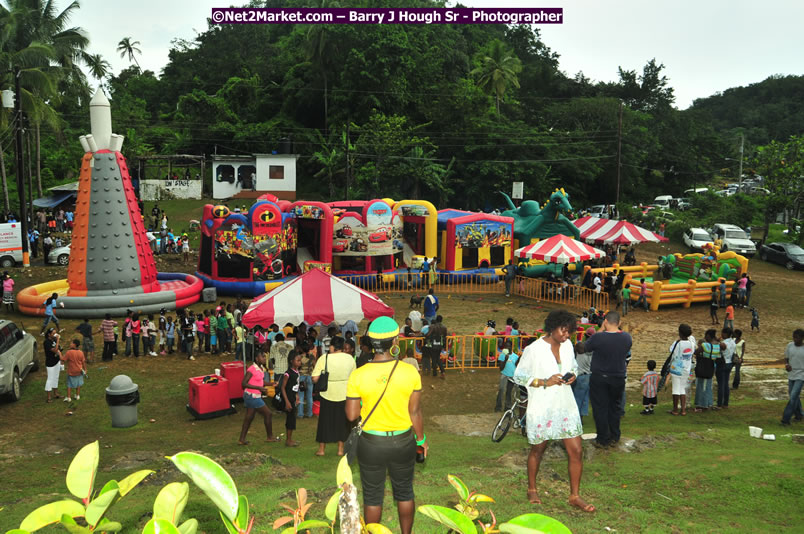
461	518
218	485
80	480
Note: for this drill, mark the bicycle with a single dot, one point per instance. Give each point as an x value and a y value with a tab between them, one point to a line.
510	416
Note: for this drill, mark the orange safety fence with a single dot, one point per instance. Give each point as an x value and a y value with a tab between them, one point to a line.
467	283
559	293
472	351
417	282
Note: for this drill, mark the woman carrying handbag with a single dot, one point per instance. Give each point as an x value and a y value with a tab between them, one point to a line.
391	426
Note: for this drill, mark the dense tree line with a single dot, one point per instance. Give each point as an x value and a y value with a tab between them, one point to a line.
450	113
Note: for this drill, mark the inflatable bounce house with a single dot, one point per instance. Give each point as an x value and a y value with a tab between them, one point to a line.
111	267
473	242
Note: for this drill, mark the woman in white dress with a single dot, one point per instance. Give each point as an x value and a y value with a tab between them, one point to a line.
552	411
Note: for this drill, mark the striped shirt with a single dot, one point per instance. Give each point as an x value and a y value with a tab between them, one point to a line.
107	327
650	382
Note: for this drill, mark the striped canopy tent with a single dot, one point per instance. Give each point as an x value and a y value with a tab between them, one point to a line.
610	231
315	296
559	249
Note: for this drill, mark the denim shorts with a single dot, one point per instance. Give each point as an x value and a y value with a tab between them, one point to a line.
75	381
252	402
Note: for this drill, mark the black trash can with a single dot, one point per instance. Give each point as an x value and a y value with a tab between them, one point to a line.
122	396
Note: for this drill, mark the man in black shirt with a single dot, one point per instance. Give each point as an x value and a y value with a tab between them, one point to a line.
435	341
186	325
611	348
53	364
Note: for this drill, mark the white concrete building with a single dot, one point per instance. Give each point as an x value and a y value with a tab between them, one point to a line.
252	176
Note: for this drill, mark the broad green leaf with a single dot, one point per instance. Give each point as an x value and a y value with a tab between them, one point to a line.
171	500
131	481
109	486
72	527
108	526
533	523
228	524
51	513
213	480
312	523
344	473
242	513
99	505
376	528
457	483
189	527
449	518
160	526
82	470
332	505
17	530
289	530
479	497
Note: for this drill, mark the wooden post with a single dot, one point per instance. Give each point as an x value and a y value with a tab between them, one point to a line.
349	510
692	286
656	296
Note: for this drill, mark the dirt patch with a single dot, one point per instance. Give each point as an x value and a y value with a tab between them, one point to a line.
476	424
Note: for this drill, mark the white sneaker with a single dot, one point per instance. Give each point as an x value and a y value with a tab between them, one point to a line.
78	397
152	353
68	399
191	358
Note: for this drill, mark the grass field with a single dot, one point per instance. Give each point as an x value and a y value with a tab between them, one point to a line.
700	473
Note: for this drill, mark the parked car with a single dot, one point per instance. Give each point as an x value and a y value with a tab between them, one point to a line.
17	358
788	254
662	201
683	204
733	238
696	238
59	255
601	210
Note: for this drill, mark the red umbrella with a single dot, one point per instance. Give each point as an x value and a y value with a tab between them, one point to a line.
315	296
559	249
612	231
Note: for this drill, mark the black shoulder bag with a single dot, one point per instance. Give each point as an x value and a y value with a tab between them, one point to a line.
323	378
351	442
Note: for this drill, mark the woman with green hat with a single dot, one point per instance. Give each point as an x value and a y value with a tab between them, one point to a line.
390	393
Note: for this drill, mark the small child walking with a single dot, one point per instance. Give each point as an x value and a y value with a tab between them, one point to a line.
713	306
650	383
76	370
254	385
8	292
754	319
290	390
170	334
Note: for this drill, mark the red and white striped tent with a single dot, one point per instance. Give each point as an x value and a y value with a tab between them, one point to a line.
315	296
610	231
559	249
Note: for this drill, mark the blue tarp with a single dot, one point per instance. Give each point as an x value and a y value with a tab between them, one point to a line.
53	200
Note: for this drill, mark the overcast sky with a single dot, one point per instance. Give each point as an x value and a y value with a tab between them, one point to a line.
706	45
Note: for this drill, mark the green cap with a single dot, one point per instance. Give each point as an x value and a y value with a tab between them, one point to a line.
383	328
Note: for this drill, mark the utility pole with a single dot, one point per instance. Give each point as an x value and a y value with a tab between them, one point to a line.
619	151
742	142
347	160
26	260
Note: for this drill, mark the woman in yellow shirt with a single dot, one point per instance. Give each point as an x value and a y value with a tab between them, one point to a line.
390	392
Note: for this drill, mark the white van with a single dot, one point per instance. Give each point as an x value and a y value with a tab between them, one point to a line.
663	201
10	244
696	191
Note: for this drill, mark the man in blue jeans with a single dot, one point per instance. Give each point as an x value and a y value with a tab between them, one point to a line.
611	347
794	364
580	388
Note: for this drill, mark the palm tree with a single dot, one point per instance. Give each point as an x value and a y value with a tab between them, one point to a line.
98	67
497	70
330	158
318	52
127	47
36	42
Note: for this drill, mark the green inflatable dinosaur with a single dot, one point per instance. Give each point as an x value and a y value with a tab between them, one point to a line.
532	222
